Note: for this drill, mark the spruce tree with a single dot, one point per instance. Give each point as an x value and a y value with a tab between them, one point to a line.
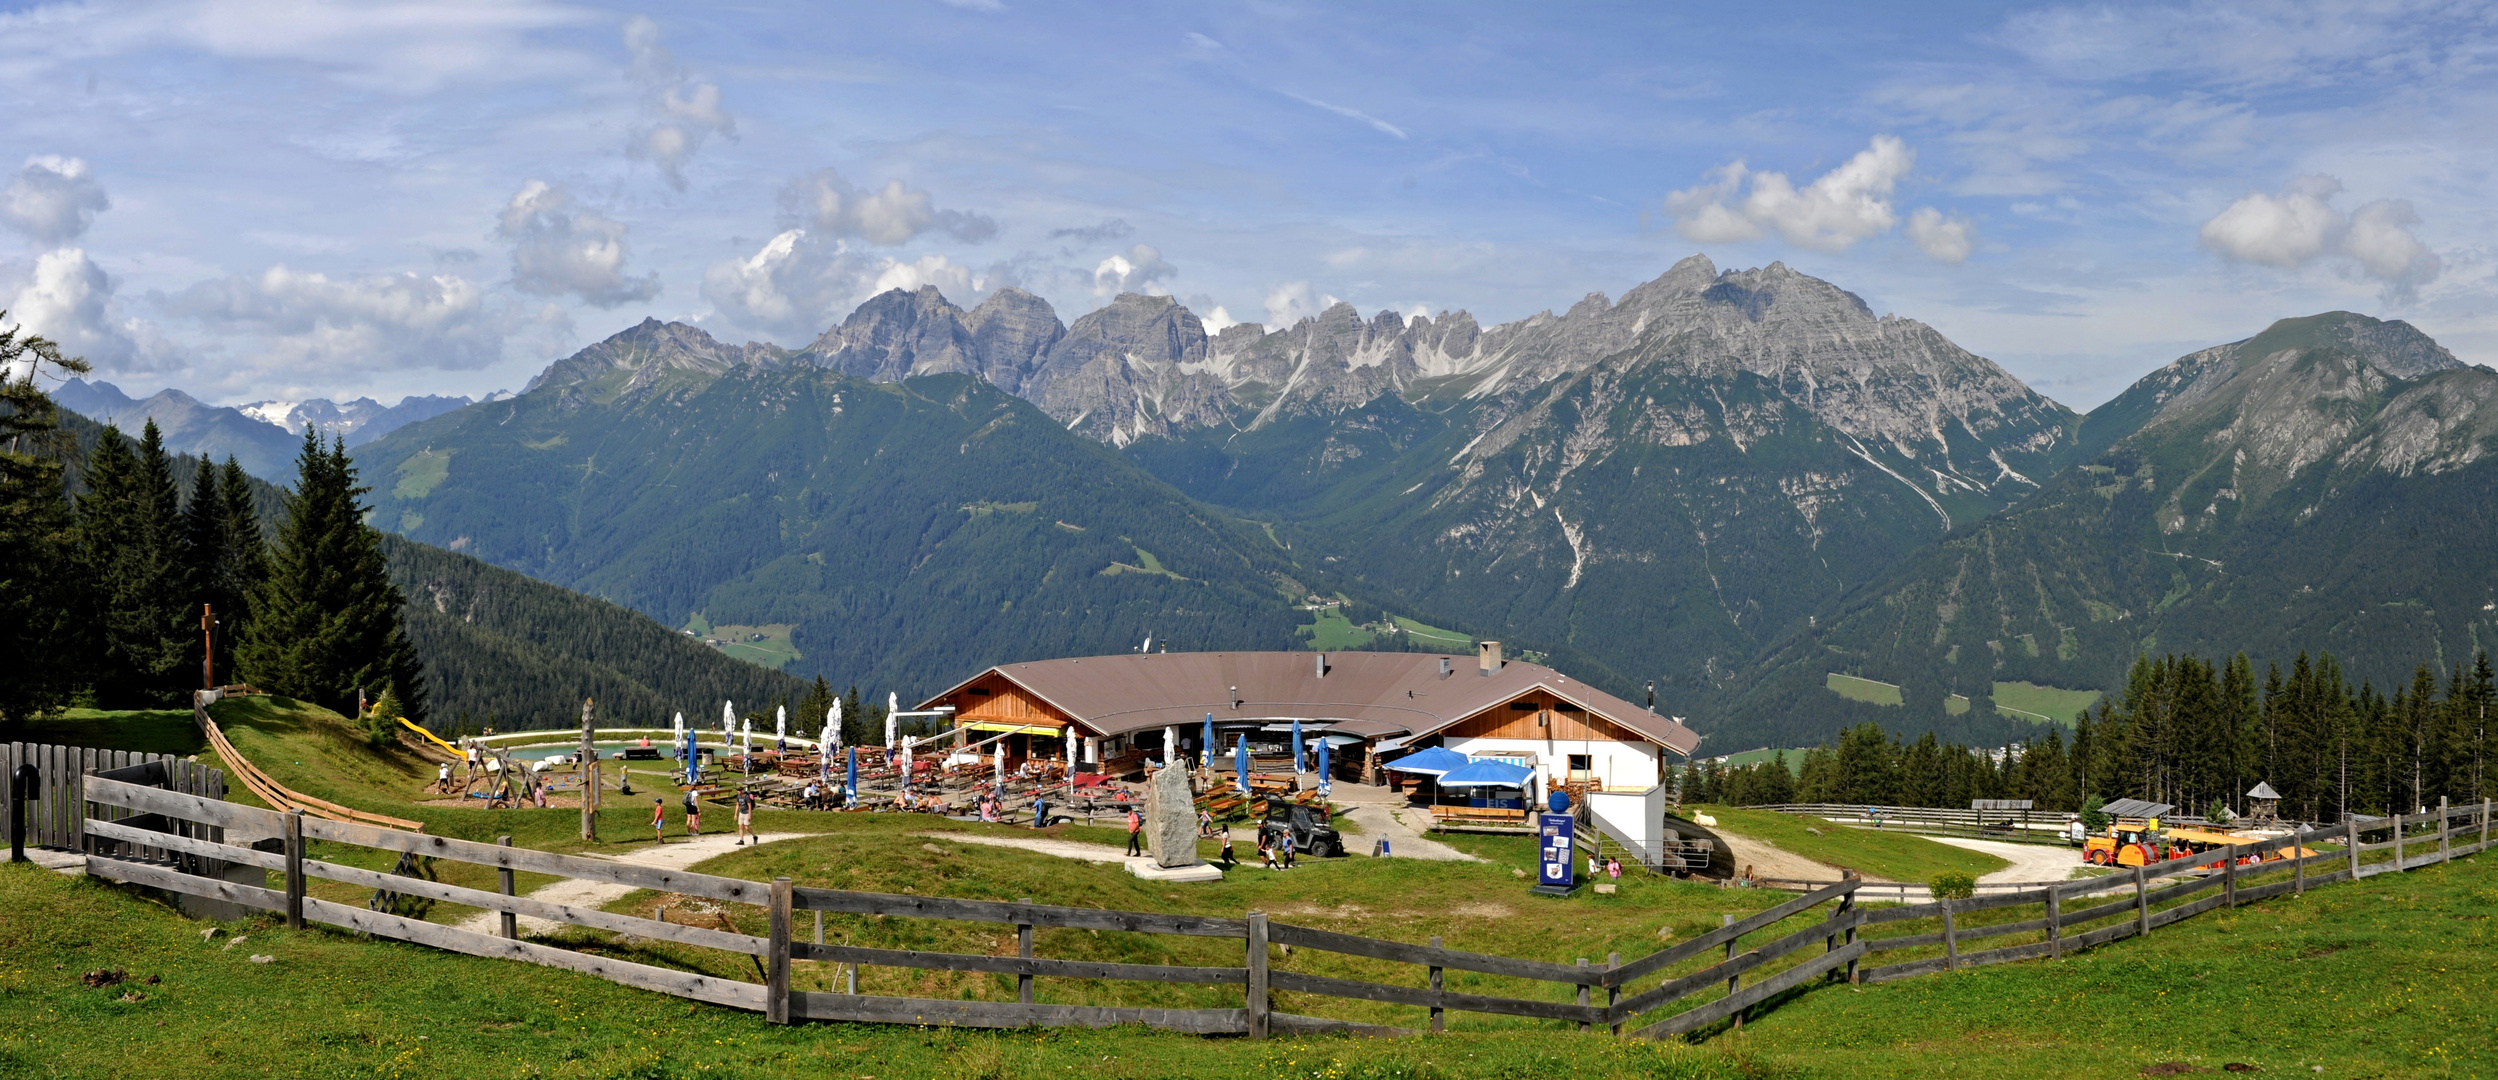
327	622
247	544
129	527
42	610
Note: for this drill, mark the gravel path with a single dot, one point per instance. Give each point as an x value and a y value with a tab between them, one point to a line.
2030	862
1404	842
675	855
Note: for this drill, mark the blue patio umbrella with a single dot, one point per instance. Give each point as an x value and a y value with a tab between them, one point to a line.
1240	762
850	785
1209	744
693	761
1297	759
1326	786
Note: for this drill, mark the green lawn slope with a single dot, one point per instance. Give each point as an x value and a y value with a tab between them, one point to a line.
1891	856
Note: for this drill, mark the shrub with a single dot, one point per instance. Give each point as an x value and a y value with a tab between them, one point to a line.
2092	819
1953	885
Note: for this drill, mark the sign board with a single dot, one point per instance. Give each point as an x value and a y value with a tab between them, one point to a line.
1556	869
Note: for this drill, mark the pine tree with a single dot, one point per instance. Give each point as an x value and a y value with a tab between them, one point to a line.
247	545
42	612
129	545
327	622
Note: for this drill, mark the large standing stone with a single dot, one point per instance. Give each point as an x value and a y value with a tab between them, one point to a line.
1171	818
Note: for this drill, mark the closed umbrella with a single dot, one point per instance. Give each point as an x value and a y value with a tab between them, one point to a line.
1296	744
893	704
824	745
780	726
850	784
1209	743
693	761
1326	786
1240	762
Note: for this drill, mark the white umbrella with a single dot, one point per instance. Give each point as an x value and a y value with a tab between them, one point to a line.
728	720
1001	760
832	724
893	704
677	728
746	740
780	724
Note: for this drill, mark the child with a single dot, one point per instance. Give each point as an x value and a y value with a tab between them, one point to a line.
659	821
1288	846
1266	851
693	814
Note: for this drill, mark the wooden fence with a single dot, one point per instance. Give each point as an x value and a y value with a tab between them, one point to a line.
268	789
1732	974
2043	921
55	809
1715	977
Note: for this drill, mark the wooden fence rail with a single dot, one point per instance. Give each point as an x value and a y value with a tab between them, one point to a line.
54	811
1737	971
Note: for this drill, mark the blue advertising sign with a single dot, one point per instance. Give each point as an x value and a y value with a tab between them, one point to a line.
1557	868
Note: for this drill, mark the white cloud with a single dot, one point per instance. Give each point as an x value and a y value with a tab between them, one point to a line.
53	199
1140	269
560	251
956	282
823	201
1294	301
2300	226
1217	320
1943	239
1846	205
403	48
70	300
373	323
1376	124
679	111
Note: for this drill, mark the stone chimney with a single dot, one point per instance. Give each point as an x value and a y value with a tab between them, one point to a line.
1487	657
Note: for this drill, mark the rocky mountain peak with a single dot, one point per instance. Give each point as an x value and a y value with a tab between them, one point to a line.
649	349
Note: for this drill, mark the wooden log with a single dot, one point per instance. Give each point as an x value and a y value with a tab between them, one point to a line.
1694	1019
543	862
504	885
1258	979
776	977
990	911
1019	965
738	995
509	905
925	1012
110	830
1303	937
170	880
1298	982
1664	958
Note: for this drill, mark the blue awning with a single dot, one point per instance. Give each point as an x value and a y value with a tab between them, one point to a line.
1430	762
1488	773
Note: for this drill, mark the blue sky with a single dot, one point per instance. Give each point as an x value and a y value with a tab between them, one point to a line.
256	200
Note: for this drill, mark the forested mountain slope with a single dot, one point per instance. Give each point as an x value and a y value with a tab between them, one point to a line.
2329	484
522	653
910	532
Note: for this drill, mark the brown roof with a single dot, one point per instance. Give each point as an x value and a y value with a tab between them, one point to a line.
1370	694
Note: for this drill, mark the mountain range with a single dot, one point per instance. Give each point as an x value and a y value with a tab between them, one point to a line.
1734	484
264	436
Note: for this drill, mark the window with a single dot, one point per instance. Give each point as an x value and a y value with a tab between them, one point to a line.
1522	706
1581	765
979	692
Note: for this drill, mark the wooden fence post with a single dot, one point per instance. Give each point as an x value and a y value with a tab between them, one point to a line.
2398	841
2484	823
819	927
2444	827
294	869
1023	948
1259	1017
1951	937
1613	994
2298	861
776	981
2142	903
511	922
1731	980
20	786
2055	924
2229	878
1439	1016
1584	1026
2350	825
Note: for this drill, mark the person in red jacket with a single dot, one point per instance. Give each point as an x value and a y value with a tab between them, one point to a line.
1136	832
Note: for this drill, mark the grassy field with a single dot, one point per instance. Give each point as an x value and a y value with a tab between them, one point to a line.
1330	631
1892	856
1865	690
2045	704
145	731
1795	758
1428	634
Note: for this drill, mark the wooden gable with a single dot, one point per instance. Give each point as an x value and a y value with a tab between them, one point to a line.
1537	714
993	698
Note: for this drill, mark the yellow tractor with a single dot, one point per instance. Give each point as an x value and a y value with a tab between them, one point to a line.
2133	836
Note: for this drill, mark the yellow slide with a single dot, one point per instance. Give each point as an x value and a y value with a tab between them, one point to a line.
455	751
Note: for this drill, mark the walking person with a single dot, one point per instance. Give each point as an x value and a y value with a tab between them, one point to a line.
1205	823
745	817
1266	851
1228	860
1288	848
1040	812
1136	832
693	815
659	821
